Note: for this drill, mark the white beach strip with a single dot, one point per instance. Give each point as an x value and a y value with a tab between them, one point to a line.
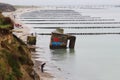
23	31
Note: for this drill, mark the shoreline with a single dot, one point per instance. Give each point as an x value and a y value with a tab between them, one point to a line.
22	33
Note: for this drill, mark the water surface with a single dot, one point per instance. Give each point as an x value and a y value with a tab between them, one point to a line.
95	57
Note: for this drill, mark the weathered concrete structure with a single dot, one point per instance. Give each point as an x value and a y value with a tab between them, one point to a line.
31	40
60	40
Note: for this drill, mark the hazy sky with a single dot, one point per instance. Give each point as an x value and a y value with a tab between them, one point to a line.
60	2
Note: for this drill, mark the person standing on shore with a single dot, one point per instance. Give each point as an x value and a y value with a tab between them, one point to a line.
42	66
14	16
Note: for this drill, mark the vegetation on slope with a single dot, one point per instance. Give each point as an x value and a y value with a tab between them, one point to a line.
15	59
5	22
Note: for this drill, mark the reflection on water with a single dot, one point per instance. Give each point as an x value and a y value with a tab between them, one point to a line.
61	54
71	51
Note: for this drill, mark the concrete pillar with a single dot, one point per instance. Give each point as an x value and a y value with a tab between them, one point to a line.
72	41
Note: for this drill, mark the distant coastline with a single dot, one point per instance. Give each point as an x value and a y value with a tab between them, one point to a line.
6	7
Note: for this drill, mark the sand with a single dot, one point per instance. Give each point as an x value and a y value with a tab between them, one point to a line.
22	33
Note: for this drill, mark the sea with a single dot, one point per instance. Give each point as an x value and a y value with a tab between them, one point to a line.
96	55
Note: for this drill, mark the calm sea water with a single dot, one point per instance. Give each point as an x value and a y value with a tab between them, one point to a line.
95	57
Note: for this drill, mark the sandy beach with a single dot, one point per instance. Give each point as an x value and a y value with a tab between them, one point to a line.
22	33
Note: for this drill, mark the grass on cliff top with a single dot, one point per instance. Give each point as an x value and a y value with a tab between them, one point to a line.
5	26
3	23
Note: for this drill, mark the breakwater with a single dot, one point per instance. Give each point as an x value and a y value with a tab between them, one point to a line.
75	27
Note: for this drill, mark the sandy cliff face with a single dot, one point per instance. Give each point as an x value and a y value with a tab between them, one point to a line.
15	59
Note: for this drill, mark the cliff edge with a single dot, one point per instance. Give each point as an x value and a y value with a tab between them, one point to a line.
15	58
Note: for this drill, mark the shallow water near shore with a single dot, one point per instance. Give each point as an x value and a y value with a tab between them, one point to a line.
95	57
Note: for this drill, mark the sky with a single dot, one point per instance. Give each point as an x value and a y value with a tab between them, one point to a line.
61	2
